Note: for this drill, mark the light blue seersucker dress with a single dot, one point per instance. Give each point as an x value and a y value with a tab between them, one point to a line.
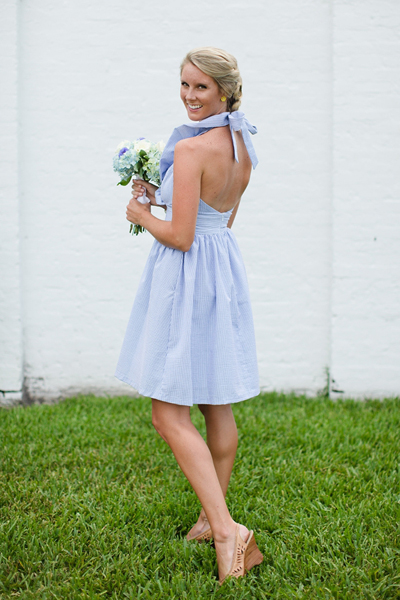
190	336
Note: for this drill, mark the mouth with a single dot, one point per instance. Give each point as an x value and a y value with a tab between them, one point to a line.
194	106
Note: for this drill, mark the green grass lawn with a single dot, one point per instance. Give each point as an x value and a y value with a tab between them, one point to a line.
93	504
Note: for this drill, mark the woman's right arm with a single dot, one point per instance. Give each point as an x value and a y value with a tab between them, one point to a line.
179	232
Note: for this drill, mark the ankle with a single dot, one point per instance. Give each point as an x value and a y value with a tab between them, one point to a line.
203	516
224	531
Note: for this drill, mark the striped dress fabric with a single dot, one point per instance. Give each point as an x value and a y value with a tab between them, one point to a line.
190	336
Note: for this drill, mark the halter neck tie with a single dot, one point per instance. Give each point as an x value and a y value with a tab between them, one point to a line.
236	121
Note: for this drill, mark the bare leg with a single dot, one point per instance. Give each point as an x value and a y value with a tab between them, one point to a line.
174	425
222	441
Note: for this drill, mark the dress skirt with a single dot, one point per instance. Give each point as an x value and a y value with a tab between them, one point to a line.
190	337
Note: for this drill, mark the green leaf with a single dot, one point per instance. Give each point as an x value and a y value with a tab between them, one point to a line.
137	229
124	181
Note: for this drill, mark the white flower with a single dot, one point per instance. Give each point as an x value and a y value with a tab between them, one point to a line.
142	145
124	144
160	146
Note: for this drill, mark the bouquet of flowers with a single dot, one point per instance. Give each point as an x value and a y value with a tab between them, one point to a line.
140	158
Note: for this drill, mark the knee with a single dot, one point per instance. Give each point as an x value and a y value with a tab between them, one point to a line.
169	420
162	422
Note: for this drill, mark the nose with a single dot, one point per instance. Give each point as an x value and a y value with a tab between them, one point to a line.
190	94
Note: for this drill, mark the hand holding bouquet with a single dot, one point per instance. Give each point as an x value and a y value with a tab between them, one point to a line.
140	158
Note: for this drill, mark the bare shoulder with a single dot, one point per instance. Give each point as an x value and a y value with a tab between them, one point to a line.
213	142
185	150
185	144
215	139
186	153
210	139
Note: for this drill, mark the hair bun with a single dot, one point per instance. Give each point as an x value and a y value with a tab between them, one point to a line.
236	98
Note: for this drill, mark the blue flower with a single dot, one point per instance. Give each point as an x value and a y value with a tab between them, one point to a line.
122	151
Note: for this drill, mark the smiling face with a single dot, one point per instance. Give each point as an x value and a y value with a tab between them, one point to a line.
200	94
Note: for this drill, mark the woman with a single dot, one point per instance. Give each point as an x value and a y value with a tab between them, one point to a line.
190	338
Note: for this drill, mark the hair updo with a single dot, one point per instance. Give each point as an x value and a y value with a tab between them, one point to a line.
222	67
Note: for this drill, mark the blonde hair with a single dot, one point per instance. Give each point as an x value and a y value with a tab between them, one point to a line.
222	67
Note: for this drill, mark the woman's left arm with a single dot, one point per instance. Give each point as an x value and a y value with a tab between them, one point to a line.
179	232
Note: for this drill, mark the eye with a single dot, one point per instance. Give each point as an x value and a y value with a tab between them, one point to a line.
202	86
183	83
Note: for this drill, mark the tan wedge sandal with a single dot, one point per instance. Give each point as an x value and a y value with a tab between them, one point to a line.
246	556
206	536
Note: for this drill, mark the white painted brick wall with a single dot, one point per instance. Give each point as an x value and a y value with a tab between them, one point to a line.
10	306
286	240
366	217
93	73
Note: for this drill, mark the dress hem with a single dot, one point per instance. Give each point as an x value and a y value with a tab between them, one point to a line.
217	402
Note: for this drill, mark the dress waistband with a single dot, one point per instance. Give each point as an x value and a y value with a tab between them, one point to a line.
207	222
211	223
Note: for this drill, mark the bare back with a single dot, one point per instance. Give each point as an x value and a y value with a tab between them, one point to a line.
224	179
